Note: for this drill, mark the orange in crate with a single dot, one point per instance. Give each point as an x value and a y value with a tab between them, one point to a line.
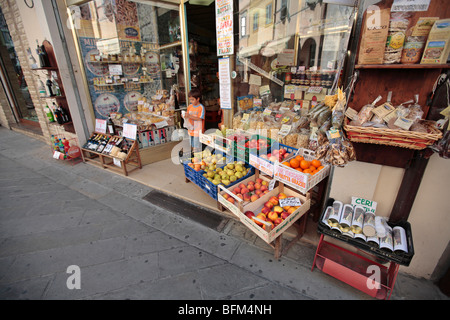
294	163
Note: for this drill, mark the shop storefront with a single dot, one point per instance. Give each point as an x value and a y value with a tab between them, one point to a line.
288	88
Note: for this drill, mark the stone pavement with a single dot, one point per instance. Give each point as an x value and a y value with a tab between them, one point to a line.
54	215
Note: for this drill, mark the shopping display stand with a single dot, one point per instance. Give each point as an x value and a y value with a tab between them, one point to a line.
361	269
273	238
132	160
353	269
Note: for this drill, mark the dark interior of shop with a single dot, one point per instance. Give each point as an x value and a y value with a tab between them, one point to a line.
203	58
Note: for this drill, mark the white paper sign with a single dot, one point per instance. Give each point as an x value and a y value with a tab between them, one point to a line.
115	69
290	202
368	205
410	5
129	131
100	126
117	162
224	83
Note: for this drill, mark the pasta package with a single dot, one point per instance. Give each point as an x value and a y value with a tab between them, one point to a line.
374	35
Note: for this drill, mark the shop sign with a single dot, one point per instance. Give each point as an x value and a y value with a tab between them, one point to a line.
290	176
368	205
224	27
129	131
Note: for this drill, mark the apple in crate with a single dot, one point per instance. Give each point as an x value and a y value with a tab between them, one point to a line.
272	215
249	214
254	197
274	200
269	205
278	209
282	196
265	210
277	221
262	217
284	215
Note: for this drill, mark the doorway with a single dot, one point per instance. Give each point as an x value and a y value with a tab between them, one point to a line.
203	61
14	83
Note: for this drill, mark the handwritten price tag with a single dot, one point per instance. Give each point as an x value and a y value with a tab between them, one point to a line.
290	202
290	176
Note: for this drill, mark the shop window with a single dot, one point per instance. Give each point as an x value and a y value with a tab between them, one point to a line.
269	13
132	54
255	21
243	26
13	79
301	47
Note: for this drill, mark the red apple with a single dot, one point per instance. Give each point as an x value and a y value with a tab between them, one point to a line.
282	196
251	182
242	186
284	215
231	199
266	191
258	192
259	180
247	197
237	190
277	221
265	210
263	188
249	214
282	151
286	155
251	187
254	197
260	216
278	209
268	204
274	200
226	195
244	190
257	186
240	196
272	215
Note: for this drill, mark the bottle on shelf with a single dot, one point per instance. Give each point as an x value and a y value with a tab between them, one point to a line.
49	114
65	114
111	127
43	56
50	87
58	115
55	87
42	91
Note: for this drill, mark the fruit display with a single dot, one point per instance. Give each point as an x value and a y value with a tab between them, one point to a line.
249	191
276	155
206	160
227	174
300	164
272	213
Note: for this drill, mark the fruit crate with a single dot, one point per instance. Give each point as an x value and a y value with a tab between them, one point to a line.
243	148
211	188
262	162
239	207
206	185
299	180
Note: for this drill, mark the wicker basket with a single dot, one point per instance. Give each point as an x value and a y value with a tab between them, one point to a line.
390	137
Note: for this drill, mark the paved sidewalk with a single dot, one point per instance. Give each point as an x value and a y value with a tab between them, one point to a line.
54	215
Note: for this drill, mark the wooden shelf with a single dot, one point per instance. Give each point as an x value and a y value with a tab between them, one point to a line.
107	162
46	68
402	66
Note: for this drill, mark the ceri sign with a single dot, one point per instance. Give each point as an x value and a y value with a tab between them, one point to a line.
368	205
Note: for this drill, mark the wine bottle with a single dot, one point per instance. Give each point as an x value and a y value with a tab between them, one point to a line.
65	114
111	126
50	88
49	114
42	91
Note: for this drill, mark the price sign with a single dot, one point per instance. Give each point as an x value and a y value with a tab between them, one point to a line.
161	124
100	126
290	202
272	184
129	131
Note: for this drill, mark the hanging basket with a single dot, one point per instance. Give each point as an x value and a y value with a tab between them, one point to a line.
390	137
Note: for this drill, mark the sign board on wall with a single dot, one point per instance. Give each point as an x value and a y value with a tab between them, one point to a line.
224	27
225	83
